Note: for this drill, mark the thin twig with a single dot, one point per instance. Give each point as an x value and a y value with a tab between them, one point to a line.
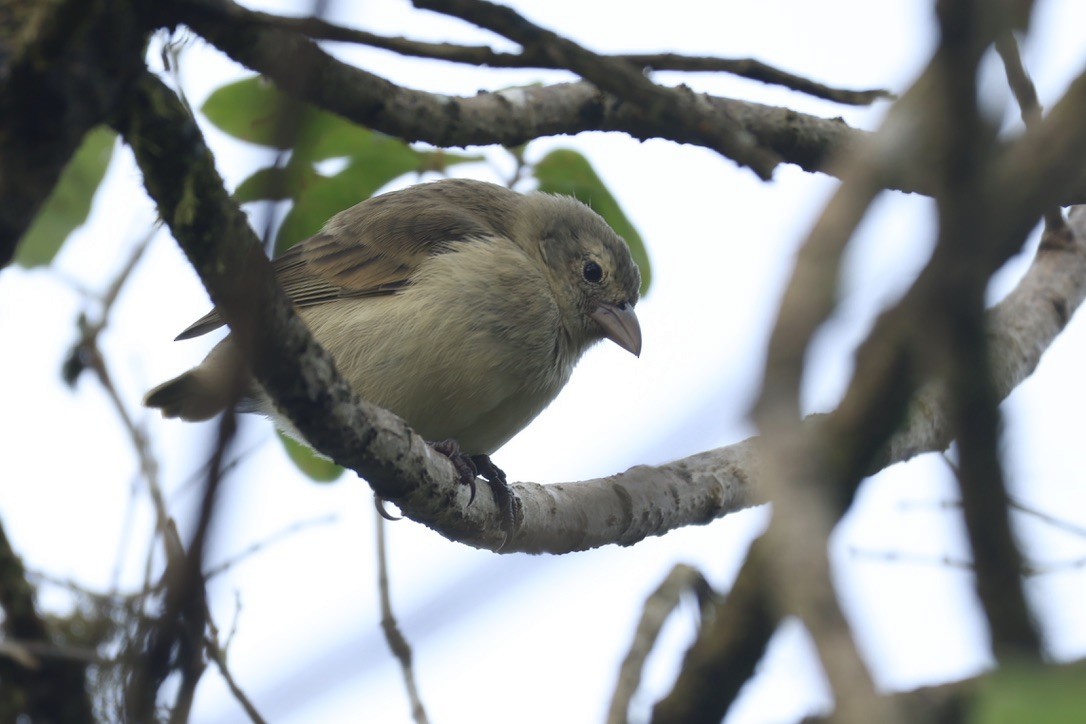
233	623
1025	92
1048	518
483	55
401	649
114	289
88	356
262	544
217	654
1029	569
174	640
108	597
191	594
174	44
199	475
29	653
123	541
1013	502
1045	569
945	561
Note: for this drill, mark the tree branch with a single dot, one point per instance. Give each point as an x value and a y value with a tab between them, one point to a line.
509	117
180	176
57	81
1026	95
397	642
811	474
669	107
681	580
55	689
482	55
955	344
622	508
728	648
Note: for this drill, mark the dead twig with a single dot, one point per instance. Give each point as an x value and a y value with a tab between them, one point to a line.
401	649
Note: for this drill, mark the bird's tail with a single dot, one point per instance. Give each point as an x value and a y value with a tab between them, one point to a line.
188	396
204	391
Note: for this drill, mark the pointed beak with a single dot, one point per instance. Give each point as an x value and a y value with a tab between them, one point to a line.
620	325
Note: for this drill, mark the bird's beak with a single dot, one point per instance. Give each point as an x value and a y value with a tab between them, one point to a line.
620	325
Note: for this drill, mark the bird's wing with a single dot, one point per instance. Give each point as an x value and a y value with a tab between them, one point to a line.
375	248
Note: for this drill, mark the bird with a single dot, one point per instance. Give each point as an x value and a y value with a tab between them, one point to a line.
460	305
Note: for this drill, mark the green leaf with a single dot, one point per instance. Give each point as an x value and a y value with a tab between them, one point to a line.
253	110
276	184
1034	693
317	468
373	166
321	200
565	171
329	136
69	205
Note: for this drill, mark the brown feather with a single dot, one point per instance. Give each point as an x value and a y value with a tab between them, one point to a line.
374	248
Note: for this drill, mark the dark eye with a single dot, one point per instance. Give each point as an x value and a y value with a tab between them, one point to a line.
592	272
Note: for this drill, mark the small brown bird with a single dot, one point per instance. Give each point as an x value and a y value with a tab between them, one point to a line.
459	305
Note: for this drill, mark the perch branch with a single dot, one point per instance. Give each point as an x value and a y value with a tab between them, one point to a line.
622	508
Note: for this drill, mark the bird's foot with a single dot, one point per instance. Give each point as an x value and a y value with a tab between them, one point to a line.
464	465
379	503
499	487
468	467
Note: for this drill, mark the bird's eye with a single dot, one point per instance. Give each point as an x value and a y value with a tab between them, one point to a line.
592	272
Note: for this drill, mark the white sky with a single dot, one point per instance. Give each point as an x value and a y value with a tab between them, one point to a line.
543	636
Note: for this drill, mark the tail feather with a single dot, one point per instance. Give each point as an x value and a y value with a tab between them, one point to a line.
205	390
188	396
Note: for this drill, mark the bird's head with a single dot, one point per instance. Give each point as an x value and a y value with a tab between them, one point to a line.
589	266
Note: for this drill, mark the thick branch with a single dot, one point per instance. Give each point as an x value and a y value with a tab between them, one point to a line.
57	81
955	344
806	469
53	688
811	475
180	175
510	117
668	107
1026	177
727	650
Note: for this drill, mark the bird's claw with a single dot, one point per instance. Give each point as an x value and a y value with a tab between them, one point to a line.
468	467
463	464
379	503
499	488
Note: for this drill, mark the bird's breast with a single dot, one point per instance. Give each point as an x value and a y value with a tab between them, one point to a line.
470	349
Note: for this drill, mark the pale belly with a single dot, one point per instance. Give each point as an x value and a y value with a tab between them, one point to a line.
466	372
